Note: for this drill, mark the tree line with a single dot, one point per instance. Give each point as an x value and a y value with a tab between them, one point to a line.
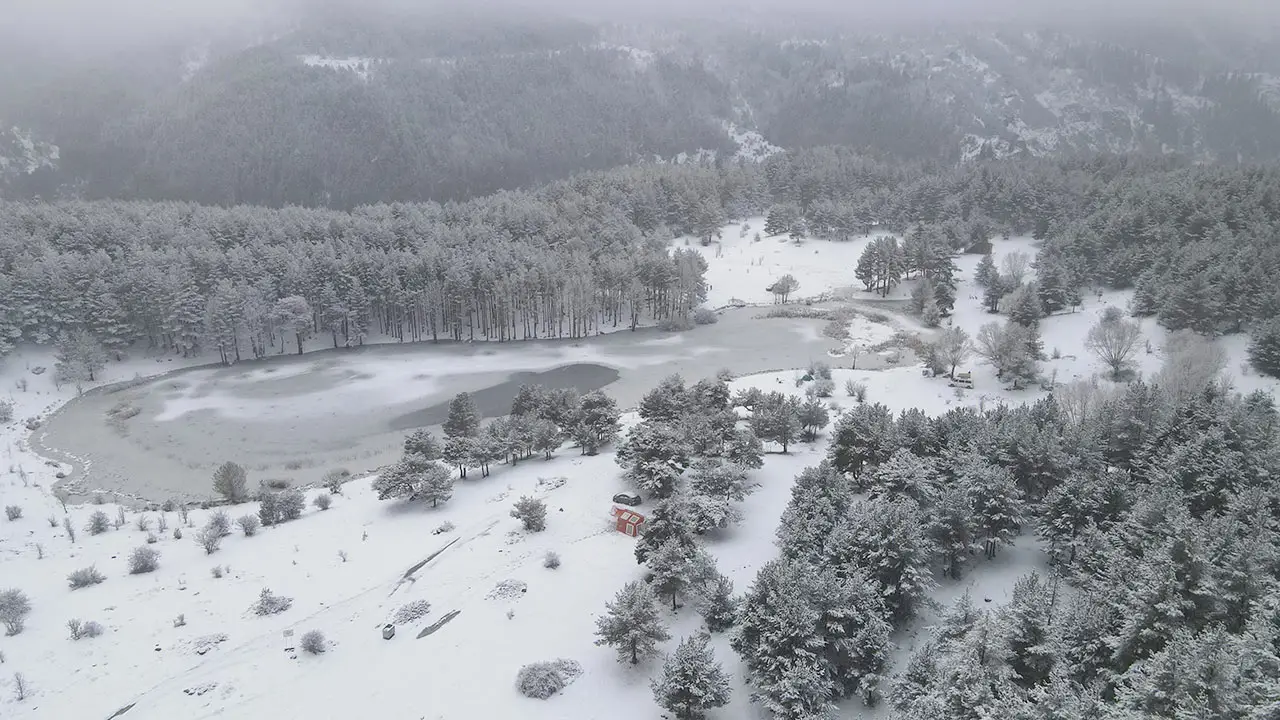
591	253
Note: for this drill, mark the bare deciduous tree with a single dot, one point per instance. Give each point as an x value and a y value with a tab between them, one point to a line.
1014	267
954	348
1113	340
1191	362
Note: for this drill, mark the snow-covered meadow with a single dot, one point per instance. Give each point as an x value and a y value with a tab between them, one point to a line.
180	641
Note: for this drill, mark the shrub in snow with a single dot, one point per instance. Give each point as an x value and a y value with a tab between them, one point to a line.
143	523
334	479
84	577
14	607
19	687
445	527
249	524
177	533
270	604
856	390
820	371
6	406
220	522
532	512
313	642
98	523
71	531
675	324
411	611
13	512
216	571
180	621
120	518
209	539
323	501
705	316
541	680
231	482
552	560
143	560
822	387
88	629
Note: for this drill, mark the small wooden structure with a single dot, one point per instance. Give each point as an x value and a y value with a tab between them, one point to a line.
626	521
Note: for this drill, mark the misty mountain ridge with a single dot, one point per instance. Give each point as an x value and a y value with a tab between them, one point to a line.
356	112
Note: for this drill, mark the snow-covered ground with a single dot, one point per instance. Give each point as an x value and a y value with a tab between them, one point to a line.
741	269
346	567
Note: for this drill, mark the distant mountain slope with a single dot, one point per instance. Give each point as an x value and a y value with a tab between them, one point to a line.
351	108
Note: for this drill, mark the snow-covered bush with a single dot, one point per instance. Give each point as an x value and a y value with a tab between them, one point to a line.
14	607
143	560
216	572
552	560
334	479
13	512
98	523
705	316
142	523
249	524
445	527
88	629
270	604
820	371
822	387
856	390
84	577
313	642
231	482
532	512
220	522
323	501
541	680
411	611
209	539
6	407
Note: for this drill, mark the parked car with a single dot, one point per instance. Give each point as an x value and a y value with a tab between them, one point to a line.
627	498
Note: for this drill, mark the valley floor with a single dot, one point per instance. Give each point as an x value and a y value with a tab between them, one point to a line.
180	642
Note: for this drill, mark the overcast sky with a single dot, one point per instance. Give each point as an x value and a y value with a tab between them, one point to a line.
89	23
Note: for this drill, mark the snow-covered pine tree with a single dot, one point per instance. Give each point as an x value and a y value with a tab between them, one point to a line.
745	449
719	607
292	316
863	436
886	539
986	273
1028	622
632	624
998	508
716	478
670	518
665	403
691	682
905	474
671	563
949	528
820	498
1264	348
596	423
423	443
653	456
463	419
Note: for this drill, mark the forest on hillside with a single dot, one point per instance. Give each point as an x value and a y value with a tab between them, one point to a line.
591	253
399	109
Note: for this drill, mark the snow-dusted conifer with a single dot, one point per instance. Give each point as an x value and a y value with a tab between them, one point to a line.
691	682
632	624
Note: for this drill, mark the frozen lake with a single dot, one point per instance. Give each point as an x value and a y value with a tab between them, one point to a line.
297	417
